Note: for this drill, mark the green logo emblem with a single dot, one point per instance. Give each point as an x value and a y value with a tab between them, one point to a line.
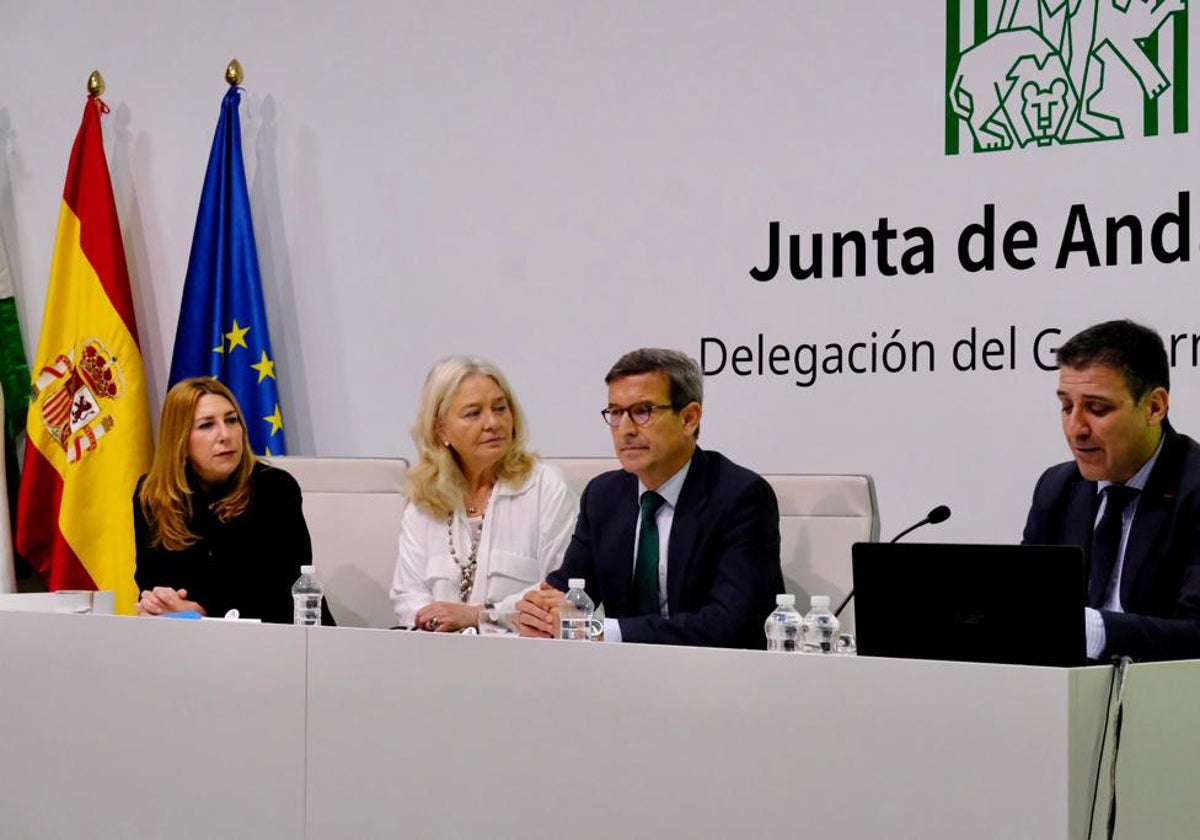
1041	72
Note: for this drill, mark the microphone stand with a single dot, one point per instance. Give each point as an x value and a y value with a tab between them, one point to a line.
939	514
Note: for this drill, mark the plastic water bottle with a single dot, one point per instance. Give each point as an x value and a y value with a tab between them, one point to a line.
307	595
783	626
575	614
820	627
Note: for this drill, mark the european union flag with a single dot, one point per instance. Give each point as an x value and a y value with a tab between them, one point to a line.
222	328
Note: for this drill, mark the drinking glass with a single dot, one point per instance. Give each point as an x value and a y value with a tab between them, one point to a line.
78	601
846	644
497	622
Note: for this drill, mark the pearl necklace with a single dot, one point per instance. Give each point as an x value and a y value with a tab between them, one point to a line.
467	570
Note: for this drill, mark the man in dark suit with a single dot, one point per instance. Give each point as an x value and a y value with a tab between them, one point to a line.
682	545
1131	497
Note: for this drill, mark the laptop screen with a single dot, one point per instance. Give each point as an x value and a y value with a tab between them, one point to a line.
1014	604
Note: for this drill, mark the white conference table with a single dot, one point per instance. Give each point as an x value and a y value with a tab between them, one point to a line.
118	727
113	728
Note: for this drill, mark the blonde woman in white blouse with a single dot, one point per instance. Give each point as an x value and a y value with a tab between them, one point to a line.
486	520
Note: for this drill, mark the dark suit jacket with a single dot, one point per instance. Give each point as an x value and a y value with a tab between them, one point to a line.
1160	578
723	568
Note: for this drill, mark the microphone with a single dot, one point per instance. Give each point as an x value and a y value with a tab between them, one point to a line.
939	514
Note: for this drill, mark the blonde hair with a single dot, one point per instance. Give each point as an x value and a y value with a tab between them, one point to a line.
166	494
437	483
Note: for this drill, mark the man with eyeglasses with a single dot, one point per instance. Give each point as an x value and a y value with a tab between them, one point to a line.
681	546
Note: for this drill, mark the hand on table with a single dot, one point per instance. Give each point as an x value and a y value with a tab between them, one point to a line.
447	617
163	599
538	612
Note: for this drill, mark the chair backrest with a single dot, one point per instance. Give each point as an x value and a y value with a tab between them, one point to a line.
579	471
820	517
353	507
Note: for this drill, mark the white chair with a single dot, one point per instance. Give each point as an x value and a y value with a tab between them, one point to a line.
579	471
820	517
353	507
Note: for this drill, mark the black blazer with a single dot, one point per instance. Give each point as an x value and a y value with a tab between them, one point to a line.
723	569
1160	578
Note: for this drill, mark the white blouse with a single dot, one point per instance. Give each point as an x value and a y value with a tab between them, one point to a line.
526	530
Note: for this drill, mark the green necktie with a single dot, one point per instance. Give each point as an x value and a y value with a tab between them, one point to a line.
645	572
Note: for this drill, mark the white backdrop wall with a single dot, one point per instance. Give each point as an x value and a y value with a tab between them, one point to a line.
550	184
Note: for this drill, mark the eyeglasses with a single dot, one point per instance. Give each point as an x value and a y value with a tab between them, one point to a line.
640	414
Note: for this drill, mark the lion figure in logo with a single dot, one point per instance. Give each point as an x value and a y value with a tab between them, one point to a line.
1015	87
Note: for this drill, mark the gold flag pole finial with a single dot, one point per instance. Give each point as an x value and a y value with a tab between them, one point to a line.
233	73
95	84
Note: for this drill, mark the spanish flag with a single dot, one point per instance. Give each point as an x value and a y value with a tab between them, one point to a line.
89	421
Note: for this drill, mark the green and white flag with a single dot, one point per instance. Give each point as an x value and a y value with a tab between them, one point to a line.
14	404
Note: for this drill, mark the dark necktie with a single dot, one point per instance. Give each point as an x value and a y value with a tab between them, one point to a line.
645	571
1106	542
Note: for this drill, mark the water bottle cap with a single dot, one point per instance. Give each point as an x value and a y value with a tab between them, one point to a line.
575	583
820	602
785	600
307	570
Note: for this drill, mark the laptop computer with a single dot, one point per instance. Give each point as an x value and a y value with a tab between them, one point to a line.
1013	604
